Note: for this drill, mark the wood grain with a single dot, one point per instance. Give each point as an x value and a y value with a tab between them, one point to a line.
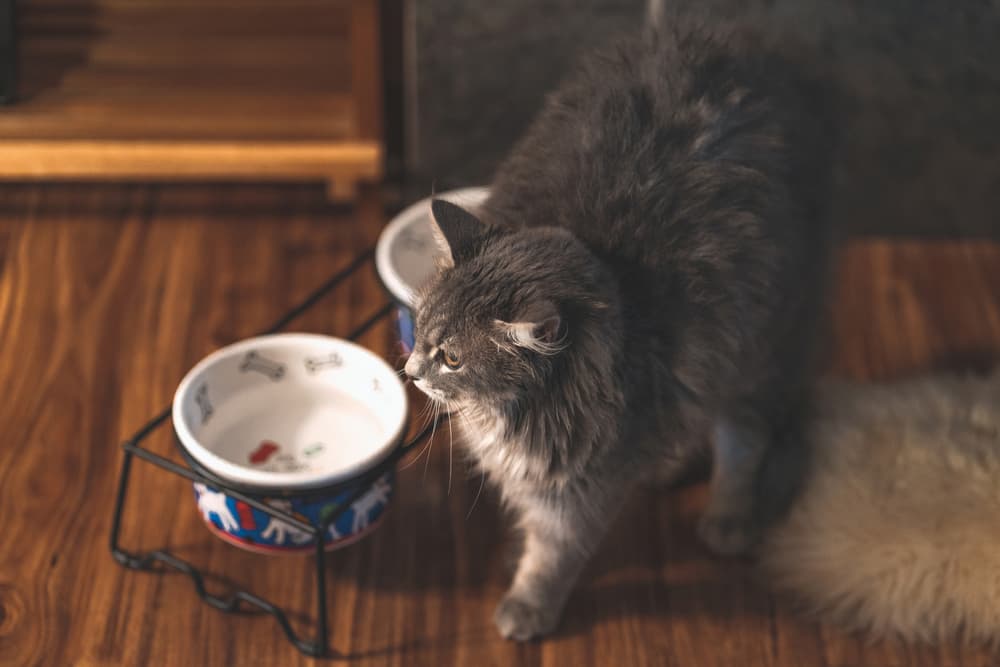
343	163
108	295
153	85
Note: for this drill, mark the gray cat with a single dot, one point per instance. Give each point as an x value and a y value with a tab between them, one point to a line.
645	277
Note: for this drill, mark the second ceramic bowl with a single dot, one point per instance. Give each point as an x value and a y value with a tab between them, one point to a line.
299	421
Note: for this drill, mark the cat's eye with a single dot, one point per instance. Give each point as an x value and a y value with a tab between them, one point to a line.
451	360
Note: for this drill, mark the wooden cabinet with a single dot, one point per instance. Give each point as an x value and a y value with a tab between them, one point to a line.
196	89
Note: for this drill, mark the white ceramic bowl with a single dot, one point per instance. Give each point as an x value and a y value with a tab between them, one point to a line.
406	252
290	415
331	408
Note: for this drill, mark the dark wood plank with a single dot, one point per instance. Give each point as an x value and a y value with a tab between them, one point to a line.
108	295
160	90
212	71
366	76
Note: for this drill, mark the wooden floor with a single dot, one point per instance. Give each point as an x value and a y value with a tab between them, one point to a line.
108	295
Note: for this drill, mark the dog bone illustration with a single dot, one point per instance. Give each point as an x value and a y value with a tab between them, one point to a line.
316	364
201	398
412	241
255	362
313	449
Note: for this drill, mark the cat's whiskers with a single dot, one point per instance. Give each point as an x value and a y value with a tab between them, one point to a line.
416	458
437	414
451	446
482	482
462	409
423	418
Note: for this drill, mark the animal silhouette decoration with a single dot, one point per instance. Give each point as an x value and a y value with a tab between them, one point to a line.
363	506
216	510
214	502
280	530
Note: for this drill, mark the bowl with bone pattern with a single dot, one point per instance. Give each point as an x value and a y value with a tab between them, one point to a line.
406	253
298	421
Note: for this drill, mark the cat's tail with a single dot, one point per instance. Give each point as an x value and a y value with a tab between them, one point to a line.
896	530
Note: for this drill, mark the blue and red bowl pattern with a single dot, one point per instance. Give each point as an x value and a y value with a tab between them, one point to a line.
404	325
239	523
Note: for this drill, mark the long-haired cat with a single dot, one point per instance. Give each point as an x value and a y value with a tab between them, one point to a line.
646	272
897	528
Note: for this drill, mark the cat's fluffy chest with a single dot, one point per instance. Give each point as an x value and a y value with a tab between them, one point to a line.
501	454
487	440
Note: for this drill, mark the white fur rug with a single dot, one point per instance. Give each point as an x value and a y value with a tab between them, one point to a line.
897	530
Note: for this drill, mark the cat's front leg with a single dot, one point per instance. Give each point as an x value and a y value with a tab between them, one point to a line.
559	538
730	524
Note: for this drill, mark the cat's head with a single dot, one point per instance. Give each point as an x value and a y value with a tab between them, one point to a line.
505	311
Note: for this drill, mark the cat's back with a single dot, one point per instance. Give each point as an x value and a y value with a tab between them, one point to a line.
666	140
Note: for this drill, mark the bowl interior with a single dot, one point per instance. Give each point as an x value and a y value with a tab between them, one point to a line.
290	410
407	250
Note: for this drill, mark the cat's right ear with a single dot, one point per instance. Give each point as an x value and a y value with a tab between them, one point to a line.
455	229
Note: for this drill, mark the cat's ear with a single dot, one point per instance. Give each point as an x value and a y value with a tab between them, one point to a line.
455	229
538	328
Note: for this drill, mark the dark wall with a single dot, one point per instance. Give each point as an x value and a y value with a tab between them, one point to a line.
922	83
7	51
483	68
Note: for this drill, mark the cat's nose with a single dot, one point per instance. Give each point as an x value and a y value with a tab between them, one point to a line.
412	367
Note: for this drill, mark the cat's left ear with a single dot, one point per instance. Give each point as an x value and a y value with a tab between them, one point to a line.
455	229
539	329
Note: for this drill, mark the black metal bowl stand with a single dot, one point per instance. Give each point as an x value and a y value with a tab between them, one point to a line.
240	600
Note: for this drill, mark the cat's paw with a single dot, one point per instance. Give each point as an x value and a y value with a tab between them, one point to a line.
728	534
521	621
